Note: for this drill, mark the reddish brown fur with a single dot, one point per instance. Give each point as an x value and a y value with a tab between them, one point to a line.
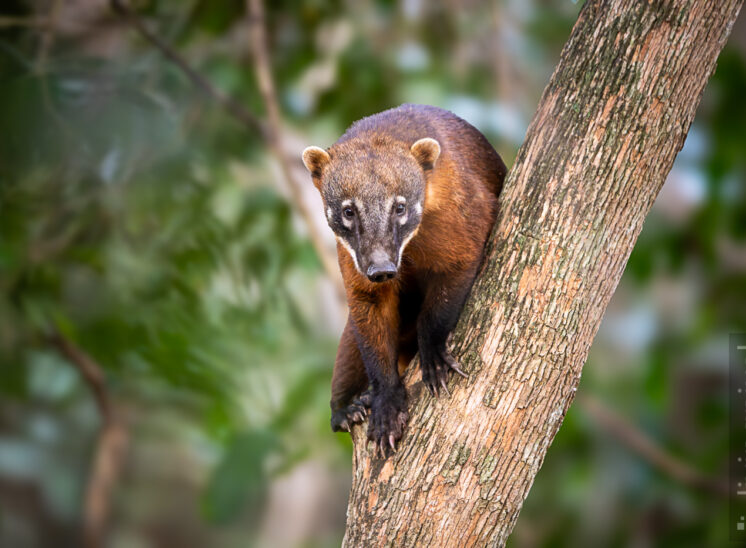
439	263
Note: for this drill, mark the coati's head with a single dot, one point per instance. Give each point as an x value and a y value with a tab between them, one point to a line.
373	195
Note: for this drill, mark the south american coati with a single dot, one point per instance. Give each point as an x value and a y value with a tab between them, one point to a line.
411	194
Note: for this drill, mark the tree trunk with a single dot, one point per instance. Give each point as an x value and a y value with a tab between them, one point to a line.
608	127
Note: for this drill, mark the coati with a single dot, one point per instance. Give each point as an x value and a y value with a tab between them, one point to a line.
411	194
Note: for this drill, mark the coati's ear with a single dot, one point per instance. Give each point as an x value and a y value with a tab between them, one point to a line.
315	158
426	151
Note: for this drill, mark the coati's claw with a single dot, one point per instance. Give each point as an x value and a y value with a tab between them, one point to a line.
435	367
388	419
345	418
453	364
443	384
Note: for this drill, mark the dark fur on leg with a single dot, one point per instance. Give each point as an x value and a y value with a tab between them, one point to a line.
388	419
355	413
437	319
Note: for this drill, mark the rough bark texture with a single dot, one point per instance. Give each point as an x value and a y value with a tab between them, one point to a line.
609	124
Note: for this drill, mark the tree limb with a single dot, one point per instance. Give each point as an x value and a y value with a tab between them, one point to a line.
270	132
637	441
47	37
89	370
110	446
234	107
262	67
7	21
607	129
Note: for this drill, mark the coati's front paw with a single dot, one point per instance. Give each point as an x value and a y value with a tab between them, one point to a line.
345	417
435	366
388	418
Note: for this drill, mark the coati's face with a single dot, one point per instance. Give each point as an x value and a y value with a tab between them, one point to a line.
373	197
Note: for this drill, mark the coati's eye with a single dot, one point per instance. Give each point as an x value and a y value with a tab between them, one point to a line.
400	209
348	212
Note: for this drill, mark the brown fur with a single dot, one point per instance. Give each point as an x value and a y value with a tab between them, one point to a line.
421	304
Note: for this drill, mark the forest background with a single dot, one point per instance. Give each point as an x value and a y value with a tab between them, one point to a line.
167	306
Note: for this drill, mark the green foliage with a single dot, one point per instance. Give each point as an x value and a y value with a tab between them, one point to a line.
140	220
127	226
240	478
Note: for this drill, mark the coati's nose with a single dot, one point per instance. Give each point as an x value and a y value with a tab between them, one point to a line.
380	272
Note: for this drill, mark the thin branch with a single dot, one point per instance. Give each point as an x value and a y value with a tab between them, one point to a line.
274	137
48	32
502	64
234	107
47	37
645	447
110	445
270	132
90	371
7	21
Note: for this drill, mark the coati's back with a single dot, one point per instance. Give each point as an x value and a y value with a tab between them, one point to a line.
460	142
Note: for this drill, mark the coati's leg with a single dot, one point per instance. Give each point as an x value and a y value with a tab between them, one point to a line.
440	310
349	381
376	328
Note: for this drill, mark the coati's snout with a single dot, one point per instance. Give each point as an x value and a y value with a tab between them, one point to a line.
381	273
381	268
374	197
374	233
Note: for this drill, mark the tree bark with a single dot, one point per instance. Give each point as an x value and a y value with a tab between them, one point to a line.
608	127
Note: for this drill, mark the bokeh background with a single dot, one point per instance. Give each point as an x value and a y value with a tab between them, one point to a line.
168	327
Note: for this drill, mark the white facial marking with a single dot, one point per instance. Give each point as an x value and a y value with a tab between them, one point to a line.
329	213
404	244
401	200
359	206
350	251
418	208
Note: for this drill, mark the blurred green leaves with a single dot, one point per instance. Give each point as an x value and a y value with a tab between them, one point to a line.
142	221
129	221
241	478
